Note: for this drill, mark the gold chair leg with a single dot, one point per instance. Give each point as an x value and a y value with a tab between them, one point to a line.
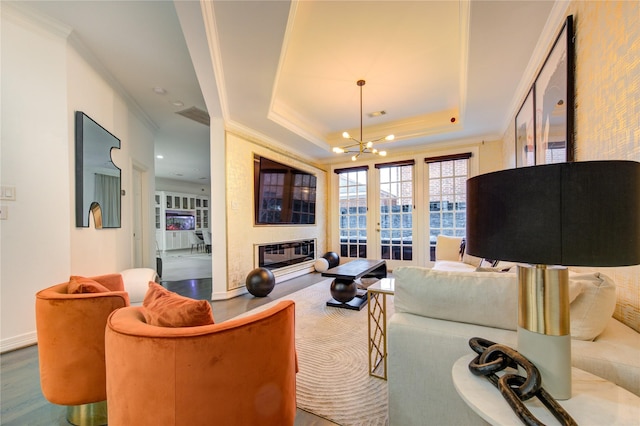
94	414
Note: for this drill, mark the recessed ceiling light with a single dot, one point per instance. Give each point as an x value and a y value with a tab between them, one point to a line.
159	156
178	103
159	90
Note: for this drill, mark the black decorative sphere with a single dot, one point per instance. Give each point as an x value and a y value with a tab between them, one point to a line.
333	259
260	282
343	291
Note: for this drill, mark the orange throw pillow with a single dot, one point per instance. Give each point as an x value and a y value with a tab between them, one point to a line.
84	285
164	308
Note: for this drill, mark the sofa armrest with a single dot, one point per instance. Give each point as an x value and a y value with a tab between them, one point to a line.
422	352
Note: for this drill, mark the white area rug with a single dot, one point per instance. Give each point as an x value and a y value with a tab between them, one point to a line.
332	344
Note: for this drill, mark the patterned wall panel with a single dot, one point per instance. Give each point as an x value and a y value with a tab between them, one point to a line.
242	232
608	106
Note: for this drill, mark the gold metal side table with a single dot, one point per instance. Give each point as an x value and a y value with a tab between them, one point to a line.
377	307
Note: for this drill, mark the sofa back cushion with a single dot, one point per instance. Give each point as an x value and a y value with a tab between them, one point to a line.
483	298
491	298
593	304
448	248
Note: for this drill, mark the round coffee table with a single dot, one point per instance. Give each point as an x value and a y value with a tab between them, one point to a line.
594	400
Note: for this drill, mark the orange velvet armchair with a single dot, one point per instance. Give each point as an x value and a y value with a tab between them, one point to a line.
70	329
238	372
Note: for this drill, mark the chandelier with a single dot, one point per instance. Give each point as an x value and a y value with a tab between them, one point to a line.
361	147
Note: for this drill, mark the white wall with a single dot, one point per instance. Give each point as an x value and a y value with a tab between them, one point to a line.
34	240
218	212
44	81
171	185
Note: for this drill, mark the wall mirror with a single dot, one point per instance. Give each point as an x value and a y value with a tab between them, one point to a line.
98	184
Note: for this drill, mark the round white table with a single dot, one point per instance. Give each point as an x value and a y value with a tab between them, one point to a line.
594	401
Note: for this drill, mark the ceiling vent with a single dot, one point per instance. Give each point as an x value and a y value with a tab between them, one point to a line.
195	114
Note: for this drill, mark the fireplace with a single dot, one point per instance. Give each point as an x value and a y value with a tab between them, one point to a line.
286	256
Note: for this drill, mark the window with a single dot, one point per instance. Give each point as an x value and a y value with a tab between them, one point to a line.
353	211
447	197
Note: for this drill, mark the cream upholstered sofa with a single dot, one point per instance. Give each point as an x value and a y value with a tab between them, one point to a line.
437	311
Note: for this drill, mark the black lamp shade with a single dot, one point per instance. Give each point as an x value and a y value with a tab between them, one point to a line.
571	214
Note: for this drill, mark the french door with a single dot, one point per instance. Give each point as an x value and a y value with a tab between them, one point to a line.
395	206
376	209
353	212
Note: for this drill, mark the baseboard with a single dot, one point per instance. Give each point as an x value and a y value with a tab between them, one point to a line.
280	277
17	342
229	294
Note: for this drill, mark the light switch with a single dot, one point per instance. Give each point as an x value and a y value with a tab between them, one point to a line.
4	212
7	193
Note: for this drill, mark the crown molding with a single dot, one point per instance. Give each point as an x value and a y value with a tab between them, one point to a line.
465	23
26	16
30	18
264	141
98	66
549	33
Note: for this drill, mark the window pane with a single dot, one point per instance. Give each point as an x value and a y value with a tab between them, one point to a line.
447	199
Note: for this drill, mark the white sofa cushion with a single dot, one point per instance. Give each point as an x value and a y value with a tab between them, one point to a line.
456	292
593	304
448	248
483	298
452	265
471	260
613	355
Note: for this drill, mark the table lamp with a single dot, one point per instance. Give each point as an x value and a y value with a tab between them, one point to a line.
568	214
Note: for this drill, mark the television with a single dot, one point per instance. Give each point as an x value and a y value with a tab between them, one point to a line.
178	221
283	194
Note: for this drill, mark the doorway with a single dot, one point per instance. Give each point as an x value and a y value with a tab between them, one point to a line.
139	223
376	213
395	206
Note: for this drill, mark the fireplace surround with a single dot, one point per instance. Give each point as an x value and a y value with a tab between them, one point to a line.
286	256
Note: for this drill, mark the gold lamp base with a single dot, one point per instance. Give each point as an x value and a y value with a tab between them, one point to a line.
543	325
94	414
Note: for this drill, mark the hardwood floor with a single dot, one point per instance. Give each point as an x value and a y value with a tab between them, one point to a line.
21	399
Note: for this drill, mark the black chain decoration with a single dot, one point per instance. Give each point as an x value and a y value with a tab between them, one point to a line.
493	357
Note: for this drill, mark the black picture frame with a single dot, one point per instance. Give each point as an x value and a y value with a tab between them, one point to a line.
555	102
525	132
552	97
